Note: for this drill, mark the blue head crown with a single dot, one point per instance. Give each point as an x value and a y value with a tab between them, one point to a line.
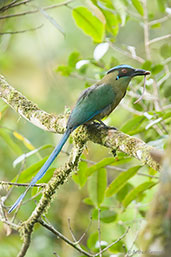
120	67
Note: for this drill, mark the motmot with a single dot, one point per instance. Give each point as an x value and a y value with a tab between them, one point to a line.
95	103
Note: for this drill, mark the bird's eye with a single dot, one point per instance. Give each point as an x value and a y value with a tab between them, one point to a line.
124	70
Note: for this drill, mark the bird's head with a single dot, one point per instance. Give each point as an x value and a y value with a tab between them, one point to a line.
126	71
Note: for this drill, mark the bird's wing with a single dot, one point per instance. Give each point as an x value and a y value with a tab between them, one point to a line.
91	102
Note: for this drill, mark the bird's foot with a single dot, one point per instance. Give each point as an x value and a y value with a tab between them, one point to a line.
114	152
101	124
110	127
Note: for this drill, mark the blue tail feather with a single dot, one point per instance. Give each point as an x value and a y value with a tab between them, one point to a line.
44	168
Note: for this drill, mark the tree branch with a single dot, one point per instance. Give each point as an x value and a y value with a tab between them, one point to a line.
6	183
20	31
35	10
146	31
126	53
163	19
30	111
57	233
154	40
13	4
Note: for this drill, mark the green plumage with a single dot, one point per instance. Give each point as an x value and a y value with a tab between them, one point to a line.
99	100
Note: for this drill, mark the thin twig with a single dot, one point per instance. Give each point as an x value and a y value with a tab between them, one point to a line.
82	236
11	189
84	78
35	10
115	167
70	229
11	224
13	4
99	232
166	60
160	82
167	107
152	41
147	175
119	169
146	31
126	53
5	7
58	234
163	19
110	245
85	232
6	183
20	31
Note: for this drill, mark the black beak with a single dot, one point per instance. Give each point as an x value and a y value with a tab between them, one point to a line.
139	72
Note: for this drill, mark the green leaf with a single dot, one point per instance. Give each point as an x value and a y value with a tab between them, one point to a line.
118	247
96	186
88	201
28	173
151	171
44	179
166	115
162	5
157	68
137	4
112	23
133	194
156	26
108	216
165	51
65	70
124	191
3	107
133	124
121	180
8	139
80	177
99	165
121	10
73	59
89	23
93	238
103	3
147	65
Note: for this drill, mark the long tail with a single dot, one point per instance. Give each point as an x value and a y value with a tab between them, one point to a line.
44	168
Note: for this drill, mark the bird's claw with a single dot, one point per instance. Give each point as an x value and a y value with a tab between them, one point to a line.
114	152
103	125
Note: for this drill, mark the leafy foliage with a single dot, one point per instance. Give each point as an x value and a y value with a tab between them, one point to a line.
115	191
90	24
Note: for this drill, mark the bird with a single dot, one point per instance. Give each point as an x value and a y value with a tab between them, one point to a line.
95	103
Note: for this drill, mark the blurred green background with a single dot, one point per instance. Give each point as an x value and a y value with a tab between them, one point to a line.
30	62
